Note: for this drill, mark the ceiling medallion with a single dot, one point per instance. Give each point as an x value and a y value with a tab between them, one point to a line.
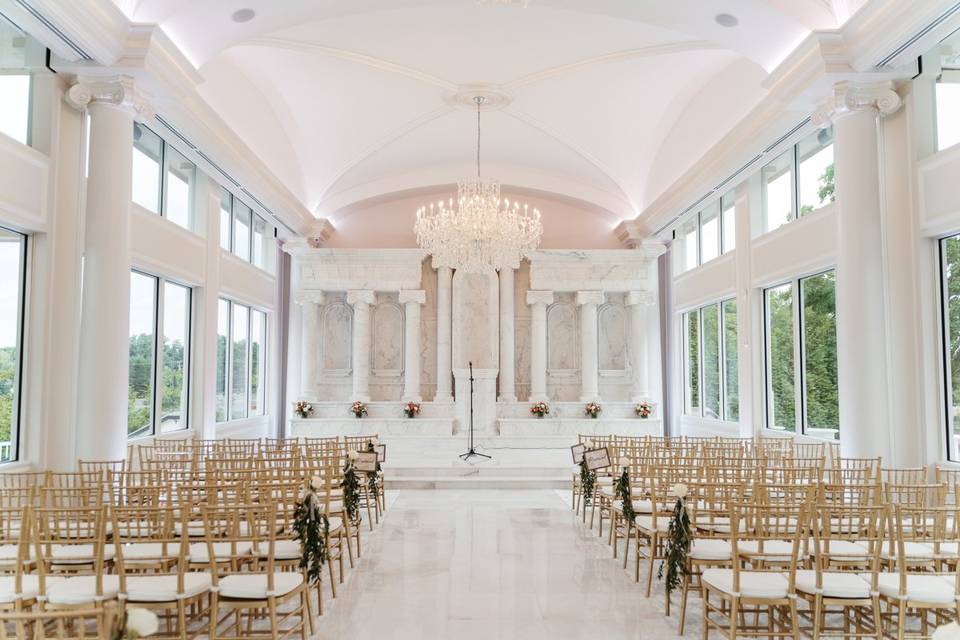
481	232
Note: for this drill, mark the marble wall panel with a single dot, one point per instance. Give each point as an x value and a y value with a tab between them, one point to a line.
563	335
336	337
612	334
386	342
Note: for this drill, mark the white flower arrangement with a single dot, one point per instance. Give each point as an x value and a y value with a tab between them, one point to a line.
680	490
141	622
375	441
588	443
949	631
352	455
316	483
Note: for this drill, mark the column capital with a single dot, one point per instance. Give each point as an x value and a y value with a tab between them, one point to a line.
304	298
589	297
643	298
360	296
850	97
539	297
418	296
119	91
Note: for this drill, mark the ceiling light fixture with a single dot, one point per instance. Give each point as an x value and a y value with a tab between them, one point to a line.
726	20
243	15
491	3
481	233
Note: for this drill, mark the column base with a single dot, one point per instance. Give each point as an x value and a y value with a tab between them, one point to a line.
444	397
637	398
360	398
411	398
506	398
589	397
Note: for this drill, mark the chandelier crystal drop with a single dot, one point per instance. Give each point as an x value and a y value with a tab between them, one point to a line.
480	232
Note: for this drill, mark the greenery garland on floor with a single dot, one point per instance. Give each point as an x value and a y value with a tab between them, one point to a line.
351	489
312	527
621	489
679	540
588	480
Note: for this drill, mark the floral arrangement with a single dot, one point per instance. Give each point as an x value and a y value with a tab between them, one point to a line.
302	408
311	526
588	479
411	409
621	489
134	623
373	476
644	409
679	540
950	631
592	409
358	409
351	488
540	409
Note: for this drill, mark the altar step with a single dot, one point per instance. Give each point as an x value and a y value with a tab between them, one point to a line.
479	476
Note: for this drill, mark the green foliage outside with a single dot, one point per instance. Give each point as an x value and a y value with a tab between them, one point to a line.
951	266
8	374
711	361
693	362
731	359
820	351
826	191
780	334
140	389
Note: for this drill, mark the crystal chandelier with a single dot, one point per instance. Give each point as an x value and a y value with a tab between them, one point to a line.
482	232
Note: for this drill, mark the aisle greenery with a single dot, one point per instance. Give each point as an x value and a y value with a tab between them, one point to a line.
679	540
312	527
373	476
621	489
351	489
588	479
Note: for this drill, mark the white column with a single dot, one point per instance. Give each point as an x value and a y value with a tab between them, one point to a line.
105	314
507	337
589	366
444	338
639	303
861	318
411	301
538	301
309	342
361	301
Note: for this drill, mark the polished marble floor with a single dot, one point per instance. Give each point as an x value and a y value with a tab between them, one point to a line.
492	564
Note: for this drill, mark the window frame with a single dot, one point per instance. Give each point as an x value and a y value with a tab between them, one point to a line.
721	353
228	380
953	452
157	372
20	365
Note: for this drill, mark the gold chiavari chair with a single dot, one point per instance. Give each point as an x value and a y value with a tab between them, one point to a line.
651	530
19	587
72	624
263	590
913	475
854	471
23	480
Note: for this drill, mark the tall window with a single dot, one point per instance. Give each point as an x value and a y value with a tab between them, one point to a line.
15	80
801	356
948	108
710	233
689	244
241	230
729	215
178	189
158	390
147	160
241	361
800	180
777	191
950	302
13	260
710	361
226	215
705	234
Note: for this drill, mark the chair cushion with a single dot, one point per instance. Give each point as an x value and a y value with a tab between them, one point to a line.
913	550
836	584
639	506
921	588
753	584
77	553
282	549
81	589
772	549
149	552
711	549
646	523
223	551
8	553
164	588
335	523
844	549
29	587
253	586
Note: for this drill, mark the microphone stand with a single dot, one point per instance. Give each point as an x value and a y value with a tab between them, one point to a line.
471	452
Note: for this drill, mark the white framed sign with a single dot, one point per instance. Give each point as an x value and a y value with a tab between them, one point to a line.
381	450
366	461
596	458
577	452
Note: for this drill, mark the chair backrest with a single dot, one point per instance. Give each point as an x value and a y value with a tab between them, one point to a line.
759	531
848	538
57	624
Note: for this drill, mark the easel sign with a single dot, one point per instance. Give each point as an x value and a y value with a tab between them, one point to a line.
577	452
596	458
381	450
366	461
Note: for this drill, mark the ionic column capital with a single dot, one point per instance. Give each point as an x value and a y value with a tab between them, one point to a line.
642	298
539	297
304	298
851	97
589	297
118	91
360	297
418	296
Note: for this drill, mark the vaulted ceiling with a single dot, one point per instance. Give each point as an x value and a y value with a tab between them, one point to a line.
606	101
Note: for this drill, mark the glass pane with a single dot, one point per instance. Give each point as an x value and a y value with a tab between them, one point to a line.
225	202
711	361
710	233
176	354
15	107
950	263
147	154
238	362
692	360
259	241
12	252
143	300
778	191
729	216
948	114
241	230
816	184
731	386
821	403
689	257
780	374
181	177
223	337
258	341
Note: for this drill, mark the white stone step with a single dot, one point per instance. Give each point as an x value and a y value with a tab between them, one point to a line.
480	470
477	482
